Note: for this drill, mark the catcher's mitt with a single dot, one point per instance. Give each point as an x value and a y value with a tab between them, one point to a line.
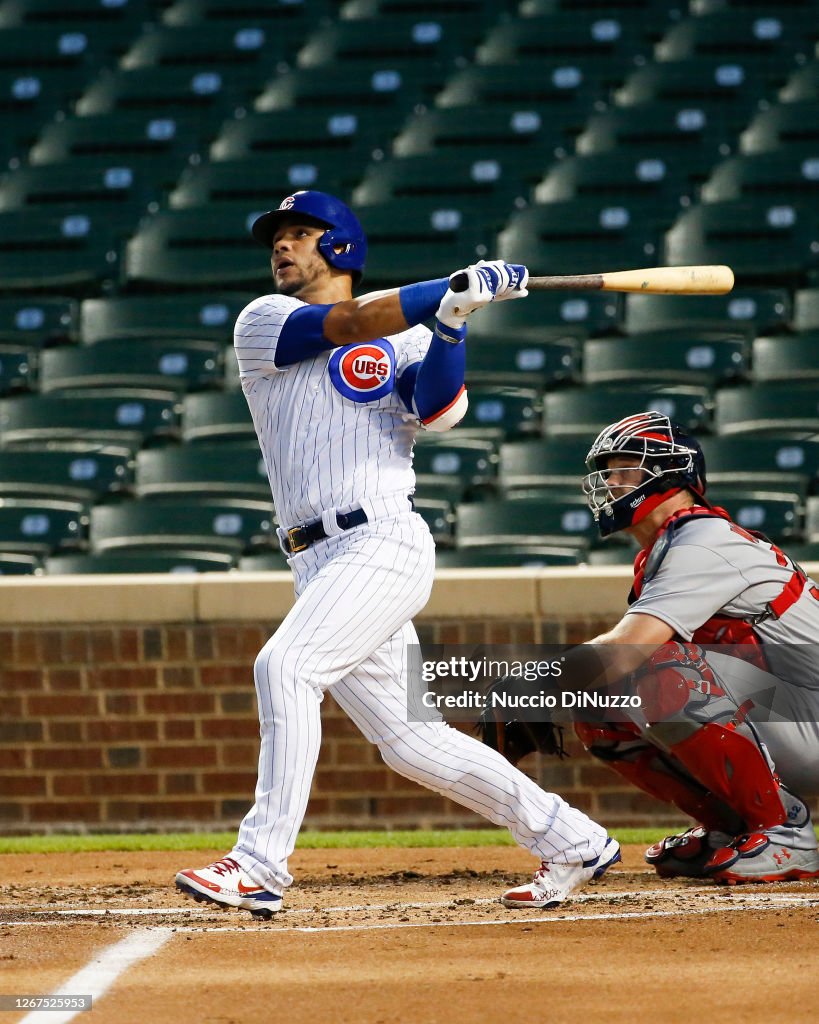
516	739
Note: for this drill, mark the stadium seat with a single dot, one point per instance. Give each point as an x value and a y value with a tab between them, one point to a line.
806	309
812	521
524	362
656	184
91	14
17	564
264	561
787	358
242	42
529	517
762	241
280	16
73	251
576	234
439	517
37	526
510	556
785	409
225	470
152	363
781	126
478	9
467	466
806	552
31	97
557	314
34	49
773	33
181	248
622	8
220	524
216	417
125	416
144	560
260	183
586	411
741	81
73	471
612	554
497	412
210	316
792	174
35	321
559	464
563	35
778	463
682	356
803	84
17	365
743	309
776	514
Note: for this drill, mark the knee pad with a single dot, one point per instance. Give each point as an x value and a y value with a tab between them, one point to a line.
676	681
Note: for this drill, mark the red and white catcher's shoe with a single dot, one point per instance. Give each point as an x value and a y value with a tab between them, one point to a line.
685	855
554	883
758	858
225	884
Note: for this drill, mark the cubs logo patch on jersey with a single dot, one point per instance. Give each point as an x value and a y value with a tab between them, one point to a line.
363	372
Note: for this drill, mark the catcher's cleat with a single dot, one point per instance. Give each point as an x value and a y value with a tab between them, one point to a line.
760	858
224	884
554	883
685	855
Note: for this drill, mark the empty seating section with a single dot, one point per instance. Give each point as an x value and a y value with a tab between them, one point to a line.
140	138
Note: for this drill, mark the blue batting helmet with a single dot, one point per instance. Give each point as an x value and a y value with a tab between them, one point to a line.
324	210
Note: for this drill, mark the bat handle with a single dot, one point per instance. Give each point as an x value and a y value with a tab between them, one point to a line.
459	282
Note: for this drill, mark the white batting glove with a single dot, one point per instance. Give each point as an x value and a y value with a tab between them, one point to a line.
474	291
514	278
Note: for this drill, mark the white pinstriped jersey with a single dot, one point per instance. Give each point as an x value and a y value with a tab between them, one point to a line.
333	430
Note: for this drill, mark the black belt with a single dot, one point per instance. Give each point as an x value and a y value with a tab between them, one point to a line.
299	538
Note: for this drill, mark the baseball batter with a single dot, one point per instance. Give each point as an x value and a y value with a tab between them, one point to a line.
729	733
338	388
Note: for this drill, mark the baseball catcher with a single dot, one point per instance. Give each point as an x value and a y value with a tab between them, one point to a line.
719	642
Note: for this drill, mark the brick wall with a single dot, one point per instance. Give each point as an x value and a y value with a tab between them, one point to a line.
155	726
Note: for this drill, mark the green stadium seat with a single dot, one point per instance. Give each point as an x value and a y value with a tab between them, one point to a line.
439	517
764	6
743	309
521	134
777	514
548	83
565	36
467	465
423	37
43	48
152	363
527	517
544	462
654	183
792	174
576	234
524	362
31	97
181	248
803	84
279	16
775	34
806	552
288	137
781	126
806	309
417	239
440	488
254	47
216	417
812	521
17	365
81	14
787	358
260	182
38	526
784	409
178	561
117	192
779	463
73	471
17	564
621	8
210	316
510	556
762	241
487	10
225	470
264	561
230	525
553	315
612	554
683	357
497	412
586	411
740	81
74	250
125	416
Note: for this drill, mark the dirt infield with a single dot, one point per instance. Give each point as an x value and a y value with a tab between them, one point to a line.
411	936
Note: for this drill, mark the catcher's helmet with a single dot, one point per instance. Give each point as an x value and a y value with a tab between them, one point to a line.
324	210
670	459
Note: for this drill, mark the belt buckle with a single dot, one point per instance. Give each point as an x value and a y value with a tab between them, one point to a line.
295	545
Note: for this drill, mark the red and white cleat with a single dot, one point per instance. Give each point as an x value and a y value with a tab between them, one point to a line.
225	884
554	883
758	858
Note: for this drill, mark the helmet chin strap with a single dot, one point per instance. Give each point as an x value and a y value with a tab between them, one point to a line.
652	502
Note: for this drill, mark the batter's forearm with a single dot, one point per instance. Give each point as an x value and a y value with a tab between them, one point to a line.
380	314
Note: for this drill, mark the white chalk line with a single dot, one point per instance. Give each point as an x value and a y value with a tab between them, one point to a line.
102	971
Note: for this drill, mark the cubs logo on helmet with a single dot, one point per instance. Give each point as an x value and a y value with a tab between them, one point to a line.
287	203
363	372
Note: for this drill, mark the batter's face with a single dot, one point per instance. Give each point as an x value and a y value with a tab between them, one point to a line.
296	262
624	474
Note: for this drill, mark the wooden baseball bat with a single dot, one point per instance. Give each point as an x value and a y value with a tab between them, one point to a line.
705	280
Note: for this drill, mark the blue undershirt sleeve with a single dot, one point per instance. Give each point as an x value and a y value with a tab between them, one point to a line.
302	335
434	388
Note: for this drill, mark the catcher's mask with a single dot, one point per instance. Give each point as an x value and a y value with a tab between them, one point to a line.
670	461
343	244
